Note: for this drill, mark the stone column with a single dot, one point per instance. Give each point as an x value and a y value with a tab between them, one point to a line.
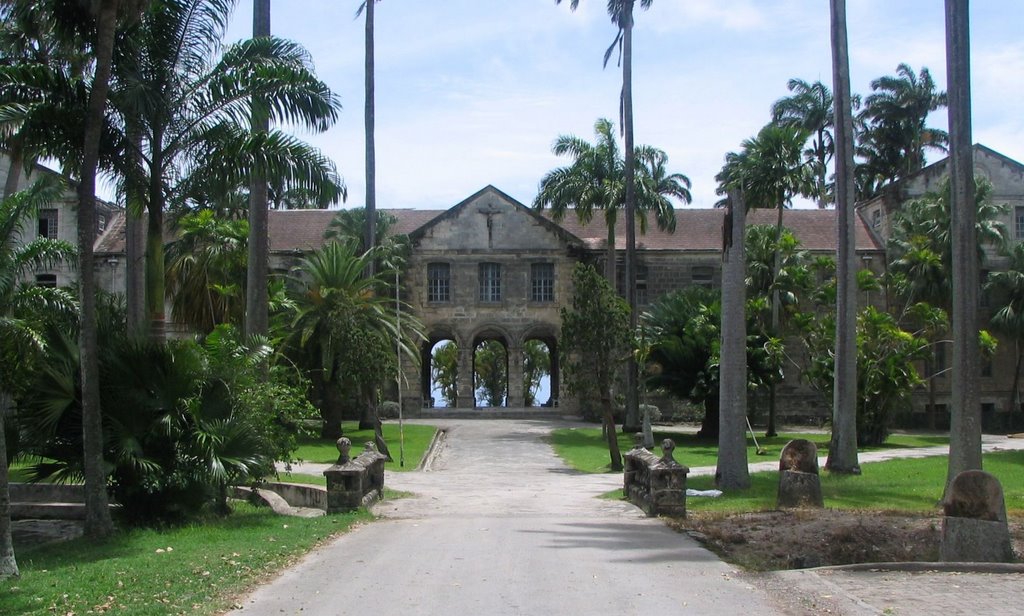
516	396
464	381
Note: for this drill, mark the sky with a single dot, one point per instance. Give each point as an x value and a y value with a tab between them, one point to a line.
474	92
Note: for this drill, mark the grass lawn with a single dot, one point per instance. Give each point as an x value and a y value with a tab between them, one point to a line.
199	569
905	485
585	449
417	440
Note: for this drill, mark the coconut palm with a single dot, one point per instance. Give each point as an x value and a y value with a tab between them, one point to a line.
369	111
192	104
595	182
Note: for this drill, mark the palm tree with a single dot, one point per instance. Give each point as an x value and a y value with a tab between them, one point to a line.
193	107
842	456
23	309
965	418
810	108
894	132
770	172
621	13
595	181
344	328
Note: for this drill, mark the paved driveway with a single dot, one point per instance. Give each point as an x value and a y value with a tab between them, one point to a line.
501	526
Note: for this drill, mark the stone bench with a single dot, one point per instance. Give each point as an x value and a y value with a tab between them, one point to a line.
355	482
656	485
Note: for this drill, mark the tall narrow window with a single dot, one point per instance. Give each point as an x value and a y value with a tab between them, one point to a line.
1018	220
542	282
439	282
48	224
46	280
641	284
702	276
490	282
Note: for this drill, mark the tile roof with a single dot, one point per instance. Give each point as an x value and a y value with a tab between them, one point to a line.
696	229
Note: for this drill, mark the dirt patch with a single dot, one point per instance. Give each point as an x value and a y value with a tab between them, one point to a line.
803	538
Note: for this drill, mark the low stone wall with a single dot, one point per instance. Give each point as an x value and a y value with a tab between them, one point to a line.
46	493
298	494
656	485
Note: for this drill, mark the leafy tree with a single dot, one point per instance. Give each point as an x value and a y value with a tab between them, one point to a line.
595	182
595	343
490	365
894	132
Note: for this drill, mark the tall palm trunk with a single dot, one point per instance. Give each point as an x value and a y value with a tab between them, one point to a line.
135	243
965	420
610	255
257	301
732	472
632	419
776	268
98	523
155	282
17	162
842	453
368	119
1014	406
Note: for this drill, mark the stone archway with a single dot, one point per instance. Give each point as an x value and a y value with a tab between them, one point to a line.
488	341
440	368
546	337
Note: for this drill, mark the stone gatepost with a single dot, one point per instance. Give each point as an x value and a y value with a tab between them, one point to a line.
799	482
352	483
974	528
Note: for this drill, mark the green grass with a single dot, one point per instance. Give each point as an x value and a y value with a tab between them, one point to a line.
904	485
584	449
417	440
197	569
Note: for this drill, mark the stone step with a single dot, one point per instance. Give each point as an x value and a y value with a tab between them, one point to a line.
492	413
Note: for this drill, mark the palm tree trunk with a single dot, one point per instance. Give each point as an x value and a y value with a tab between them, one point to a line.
842	453
8	563
611	436
98	523
17	162
929	367
1015	390
776	268
257	302
632	419
609	266
371	156
135	244
965	420
732	472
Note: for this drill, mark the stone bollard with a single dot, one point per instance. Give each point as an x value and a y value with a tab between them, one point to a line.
352	483
631	467
799	483
974	528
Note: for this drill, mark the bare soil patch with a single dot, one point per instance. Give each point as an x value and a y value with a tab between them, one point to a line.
803	538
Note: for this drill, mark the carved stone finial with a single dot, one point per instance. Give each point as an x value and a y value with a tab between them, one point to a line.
638	440
370	446
344	446
667	447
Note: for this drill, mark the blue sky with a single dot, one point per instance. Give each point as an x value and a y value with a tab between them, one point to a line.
474	92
